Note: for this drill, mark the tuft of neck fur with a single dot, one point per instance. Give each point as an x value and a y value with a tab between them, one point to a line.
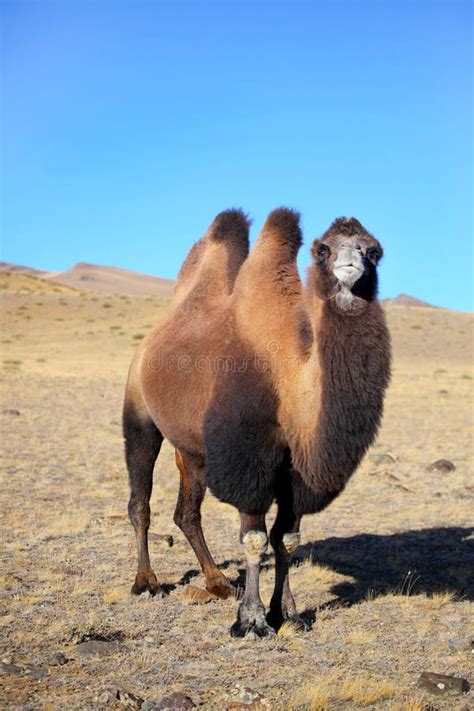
353	354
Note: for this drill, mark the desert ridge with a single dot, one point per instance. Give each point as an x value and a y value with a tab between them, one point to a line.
86	277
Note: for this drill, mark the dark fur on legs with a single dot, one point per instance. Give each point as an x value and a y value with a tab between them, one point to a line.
187	516
294	498
142	445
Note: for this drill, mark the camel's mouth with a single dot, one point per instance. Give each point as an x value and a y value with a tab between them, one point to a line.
348	267
347	274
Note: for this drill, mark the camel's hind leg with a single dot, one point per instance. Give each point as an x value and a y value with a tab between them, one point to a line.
142	445
188	517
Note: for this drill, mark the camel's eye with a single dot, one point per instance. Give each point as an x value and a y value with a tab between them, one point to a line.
373	254
322	250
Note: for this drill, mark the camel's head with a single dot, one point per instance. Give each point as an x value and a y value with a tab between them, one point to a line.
345	263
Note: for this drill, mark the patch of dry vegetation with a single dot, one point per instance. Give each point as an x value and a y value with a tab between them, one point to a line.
328	690
384	570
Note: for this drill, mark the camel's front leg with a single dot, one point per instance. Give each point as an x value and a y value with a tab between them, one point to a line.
251	614
285	539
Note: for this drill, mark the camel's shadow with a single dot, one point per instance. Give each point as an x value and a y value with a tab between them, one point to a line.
426	561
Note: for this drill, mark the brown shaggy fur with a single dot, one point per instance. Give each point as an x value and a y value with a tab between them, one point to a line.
272	391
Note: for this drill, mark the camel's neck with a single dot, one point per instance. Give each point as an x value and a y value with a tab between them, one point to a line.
350	366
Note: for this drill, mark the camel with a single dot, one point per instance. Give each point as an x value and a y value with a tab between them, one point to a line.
206	277
291	396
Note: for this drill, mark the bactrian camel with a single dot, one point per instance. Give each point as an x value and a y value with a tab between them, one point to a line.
288	401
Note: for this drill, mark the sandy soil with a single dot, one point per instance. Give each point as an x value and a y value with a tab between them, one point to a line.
387	569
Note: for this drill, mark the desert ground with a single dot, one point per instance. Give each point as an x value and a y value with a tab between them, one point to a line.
387	571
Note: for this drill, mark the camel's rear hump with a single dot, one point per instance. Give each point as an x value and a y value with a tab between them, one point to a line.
211	266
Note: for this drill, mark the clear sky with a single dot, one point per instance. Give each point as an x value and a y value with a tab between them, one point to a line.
127	125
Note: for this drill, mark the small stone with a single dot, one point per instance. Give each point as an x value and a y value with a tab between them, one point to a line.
30	670
442	684
381	458
242	697
442	465
72	570
9	411
178	701
204	646
163	540
96	648
461	645
34	672
107	697
129	700
57	659
12	669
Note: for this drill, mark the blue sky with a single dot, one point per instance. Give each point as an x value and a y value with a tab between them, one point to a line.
128	125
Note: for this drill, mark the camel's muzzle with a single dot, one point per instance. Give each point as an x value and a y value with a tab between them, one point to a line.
348	267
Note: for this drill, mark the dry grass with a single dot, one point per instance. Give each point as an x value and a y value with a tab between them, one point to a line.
360	636
411	705
365	691
330	689
112	597
197	596
288	630
384	568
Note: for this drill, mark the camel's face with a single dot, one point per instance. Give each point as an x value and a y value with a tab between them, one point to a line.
346	257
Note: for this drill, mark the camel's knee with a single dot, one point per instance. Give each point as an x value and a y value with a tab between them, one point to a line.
291	542
187	521
255	545
139	512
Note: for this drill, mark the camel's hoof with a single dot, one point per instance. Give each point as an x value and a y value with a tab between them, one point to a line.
299	623
221	588
252	631
251	622
147	582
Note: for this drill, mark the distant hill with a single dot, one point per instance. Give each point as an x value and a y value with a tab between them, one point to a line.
19	269
88	277
406	300
21	281
111	280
